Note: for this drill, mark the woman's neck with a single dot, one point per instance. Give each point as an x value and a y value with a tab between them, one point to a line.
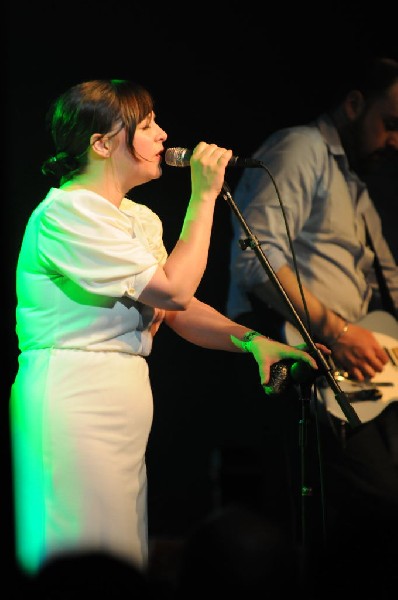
106	189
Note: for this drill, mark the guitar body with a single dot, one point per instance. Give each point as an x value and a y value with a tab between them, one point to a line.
385	328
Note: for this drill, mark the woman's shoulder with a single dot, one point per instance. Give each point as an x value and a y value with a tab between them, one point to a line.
149	223
138	210
74	205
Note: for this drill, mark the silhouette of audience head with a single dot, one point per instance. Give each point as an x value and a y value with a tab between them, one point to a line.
91	574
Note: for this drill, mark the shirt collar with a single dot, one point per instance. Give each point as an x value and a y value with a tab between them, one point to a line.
330	134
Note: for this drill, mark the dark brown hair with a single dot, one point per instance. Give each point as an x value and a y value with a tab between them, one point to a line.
96	106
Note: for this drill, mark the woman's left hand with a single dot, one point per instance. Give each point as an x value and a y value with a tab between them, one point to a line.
267	352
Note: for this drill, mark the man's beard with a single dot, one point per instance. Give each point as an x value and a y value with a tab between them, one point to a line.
381	160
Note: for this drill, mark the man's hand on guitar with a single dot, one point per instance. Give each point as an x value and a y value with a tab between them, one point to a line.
368	343
359	353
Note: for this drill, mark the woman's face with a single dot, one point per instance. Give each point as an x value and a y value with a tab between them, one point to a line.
148	145
148	142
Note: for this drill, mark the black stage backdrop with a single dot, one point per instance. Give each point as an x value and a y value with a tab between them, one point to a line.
229	77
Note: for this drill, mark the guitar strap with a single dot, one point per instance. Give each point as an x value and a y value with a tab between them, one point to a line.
385	295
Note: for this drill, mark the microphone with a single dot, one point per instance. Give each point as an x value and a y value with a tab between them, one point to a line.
179	157
288	372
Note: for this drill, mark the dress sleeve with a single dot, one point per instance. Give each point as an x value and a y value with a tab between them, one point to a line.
87	239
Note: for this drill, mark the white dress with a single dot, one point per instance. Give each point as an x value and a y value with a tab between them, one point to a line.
81	403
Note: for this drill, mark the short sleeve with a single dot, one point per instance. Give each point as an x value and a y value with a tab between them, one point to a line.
90	241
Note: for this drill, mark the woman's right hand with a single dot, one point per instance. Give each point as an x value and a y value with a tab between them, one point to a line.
208	163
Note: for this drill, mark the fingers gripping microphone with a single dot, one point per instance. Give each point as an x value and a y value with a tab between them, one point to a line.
286	373
179	157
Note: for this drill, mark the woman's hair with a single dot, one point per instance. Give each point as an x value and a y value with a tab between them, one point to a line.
96	106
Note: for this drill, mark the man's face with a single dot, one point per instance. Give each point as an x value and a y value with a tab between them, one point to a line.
377	130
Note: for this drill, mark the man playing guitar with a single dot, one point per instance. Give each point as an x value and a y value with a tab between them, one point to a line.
324	246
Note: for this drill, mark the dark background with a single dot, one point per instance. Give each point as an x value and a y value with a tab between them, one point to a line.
224	72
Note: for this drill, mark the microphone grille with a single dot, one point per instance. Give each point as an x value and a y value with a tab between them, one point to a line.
280	378
177	157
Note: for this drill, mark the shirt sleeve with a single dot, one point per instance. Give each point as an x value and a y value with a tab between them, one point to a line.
289	178
87	239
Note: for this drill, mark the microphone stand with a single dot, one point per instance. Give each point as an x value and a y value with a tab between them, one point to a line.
323	366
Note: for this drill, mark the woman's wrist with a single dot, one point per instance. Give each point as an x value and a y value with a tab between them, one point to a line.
247	340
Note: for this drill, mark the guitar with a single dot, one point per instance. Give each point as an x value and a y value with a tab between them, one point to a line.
383	388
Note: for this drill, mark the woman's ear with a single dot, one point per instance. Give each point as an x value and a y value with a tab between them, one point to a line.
354	104
100	144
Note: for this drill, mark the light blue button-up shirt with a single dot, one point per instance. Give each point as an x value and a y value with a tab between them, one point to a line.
325	204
